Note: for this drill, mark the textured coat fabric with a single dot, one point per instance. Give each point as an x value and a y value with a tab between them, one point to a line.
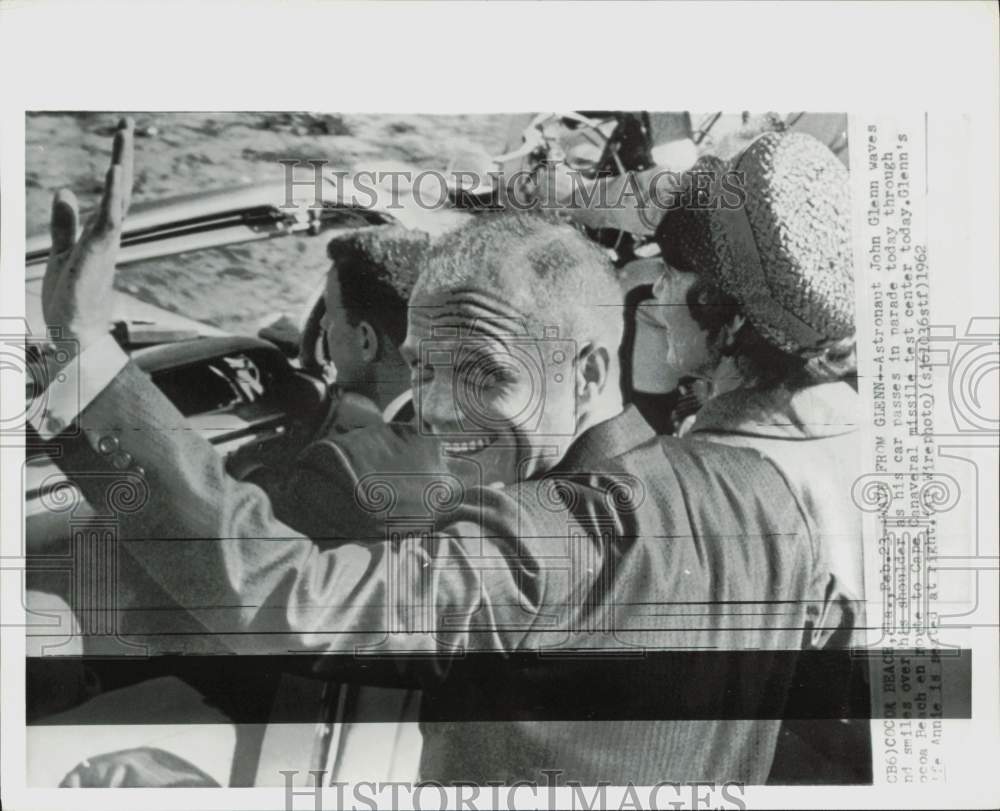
811	435
633	544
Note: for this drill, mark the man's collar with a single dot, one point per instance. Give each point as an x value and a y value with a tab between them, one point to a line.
607	439
823	410
392	411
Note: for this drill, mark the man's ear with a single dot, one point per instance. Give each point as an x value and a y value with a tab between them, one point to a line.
593	368
368	341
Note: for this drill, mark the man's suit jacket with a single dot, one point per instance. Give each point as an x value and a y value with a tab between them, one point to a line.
554	625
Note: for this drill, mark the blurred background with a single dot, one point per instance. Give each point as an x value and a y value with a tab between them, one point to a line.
242	287
181	153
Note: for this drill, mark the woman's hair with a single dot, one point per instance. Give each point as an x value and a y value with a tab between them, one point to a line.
760	363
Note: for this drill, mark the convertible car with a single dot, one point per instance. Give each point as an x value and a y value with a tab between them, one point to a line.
236	389
250	389
270	388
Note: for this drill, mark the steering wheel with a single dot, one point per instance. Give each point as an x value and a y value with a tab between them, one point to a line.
313	355
317	406
345	410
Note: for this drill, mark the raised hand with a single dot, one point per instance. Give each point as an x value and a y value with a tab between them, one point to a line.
77	288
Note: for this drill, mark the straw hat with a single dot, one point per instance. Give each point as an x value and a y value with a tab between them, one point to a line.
784	253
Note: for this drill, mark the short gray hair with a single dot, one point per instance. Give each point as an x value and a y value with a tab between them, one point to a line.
543	267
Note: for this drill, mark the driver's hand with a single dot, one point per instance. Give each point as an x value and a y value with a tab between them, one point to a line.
76	290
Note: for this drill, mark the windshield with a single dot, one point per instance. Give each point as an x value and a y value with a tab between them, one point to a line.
236	288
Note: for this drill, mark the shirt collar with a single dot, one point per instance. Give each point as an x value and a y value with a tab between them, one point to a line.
822	410
607	439
390	411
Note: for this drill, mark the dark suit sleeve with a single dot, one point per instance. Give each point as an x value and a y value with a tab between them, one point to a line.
214	545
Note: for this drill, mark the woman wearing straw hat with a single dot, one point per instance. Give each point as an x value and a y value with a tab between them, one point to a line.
759	301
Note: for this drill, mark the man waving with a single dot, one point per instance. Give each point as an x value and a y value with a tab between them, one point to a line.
550	619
